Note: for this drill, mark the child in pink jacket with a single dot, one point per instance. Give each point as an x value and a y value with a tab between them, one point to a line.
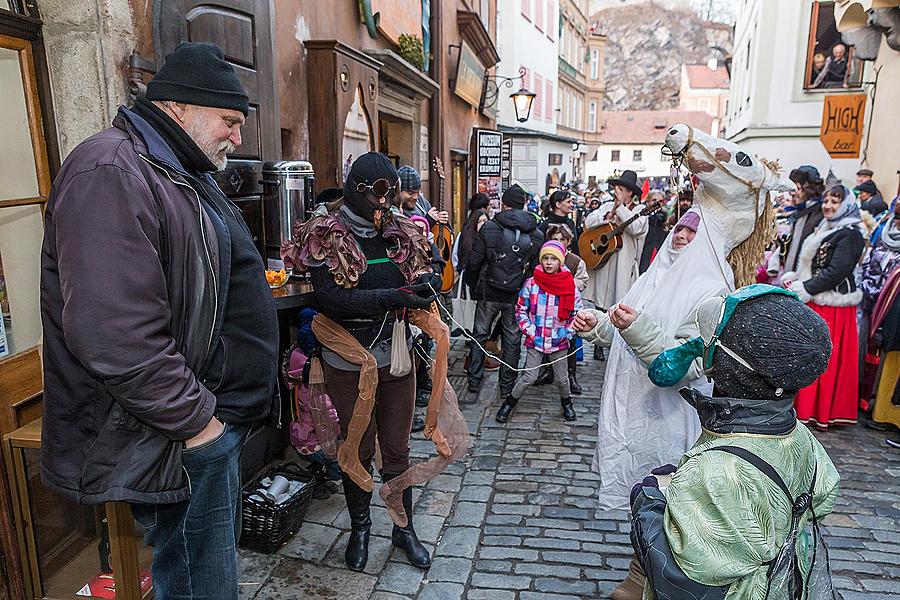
545	311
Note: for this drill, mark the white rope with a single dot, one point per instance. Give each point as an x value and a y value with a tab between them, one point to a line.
486	353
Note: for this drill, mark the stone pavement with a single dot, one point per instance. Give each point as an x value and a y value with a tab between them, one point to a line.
516	519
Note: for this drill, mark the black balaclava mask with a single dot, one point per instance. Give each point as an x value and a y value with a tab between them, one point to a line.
367	169
785	342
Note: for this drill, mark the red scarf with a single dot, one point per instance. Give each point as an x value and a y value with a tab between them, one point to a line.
560	284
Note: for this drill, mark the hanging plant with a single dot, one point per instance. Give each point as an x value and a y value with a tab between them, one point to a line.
411	50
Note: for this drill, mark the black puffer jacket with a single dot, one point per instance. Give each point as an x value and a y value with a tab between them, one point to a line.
825	267
489	240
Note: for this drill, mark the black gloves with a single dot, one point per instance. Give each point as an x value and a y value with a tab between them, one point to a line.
408	297
432	278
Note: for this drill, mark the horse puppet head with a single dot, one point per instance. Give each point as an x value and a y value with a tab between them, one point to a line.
734	190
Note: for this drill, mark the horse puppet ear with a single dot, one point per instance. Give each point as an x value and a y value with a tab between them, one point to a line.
776	178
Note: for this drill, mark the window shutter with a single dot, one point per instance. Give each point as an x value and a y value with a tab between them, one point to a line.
548	103
551	24
539	15
526	9
538	89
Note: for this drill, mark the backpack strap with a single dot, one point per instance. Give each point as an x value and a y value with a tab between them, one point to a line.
762	465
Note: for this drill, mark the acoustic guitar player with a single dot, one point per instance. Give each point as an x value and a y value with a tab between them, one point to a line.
609	283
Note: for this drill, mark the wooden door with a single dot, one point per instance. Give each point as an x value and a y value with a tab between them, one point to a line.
243	29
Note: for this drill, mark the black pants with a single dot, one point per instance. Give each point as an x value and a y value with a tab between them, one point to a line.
511	339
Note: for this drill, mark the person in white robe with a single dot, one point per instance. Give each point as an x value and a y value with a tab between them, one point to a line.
642	426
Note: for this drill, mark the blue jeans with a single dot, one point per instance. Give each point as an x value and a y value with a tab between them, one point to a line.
510	341
195	542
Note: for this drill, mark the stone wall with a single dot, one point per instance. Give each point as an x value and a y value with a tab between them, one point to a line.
88	43
646	47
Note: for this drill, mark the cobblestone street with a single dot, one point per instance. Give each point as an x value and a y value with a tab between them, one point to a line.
516	519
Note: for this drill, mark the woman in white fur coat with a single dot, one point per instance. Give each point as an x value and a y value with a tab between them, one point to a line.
824	280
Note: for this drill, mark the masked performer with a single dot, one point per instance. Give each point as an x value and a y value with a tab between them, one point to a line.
642	426
369	264
739	517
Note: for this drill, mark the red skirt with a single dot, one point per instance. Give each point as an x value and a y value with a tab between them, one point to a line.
832	398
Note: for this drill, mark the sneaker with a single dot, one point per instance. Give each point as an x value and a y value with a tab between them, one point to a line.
422	398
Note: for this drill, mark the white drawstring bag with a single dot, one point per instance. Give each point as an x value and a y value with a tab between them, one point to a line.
464	307
401	361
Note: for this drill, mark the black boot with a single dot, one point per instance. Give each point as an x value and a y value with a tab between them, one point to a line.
357	553
418	424
574	386
405	538
545	376
506	409
568	409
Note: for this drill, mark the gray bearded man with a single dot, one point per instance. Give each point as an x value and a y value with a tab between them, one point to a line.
160	334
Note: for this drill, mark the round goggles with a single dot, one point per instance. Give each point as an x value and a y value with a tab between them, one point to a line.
380	188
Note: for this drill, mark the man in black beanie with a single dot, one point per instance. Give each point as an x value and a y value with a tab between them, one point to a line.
505	248
160	334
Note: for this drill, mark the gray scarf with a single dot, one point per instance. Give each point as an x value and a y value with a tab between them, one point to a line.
358	225
890	236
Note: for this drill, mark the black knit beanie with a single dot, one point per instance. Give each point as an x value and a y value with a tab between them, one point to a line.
198	74
785	341
515	196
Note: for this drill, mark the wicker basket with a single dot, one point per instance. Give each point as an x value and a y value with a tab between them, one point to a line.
266	526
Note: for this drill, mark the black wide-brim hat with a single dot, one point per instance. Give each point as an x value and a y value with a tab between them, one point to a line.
627	179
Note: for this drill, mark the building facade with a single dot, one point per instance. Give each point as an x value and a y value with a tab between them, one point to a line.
777	97
706	88
633	140
877	24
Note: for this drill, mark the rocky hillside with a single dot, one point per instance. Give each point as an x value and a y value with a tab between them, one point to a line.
647	44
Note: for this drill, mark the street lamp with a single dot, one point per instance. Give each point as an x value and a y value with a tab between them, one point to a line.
522	99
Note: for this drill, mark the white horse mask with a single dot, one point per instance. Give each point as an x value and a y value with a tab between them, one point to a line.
734	191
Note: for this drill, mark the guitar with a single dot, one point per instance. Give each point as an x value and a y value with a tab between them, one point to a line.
596	246
443	236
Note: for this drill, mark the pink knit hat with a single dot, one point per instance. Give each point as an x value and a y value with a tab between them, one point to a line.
691	220
554	248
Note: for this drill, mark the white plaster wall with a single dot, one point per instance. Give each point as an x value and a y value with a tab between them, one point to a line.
882	154
88	43
780	120
652	163
521	44
531	161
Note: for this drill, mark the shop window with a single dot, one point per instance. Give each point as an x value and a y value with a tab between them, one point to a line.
830	63
637	155
614	156
24	186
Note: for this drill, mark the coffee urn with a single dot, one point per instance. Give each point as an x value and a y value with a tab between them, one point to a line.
289	195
